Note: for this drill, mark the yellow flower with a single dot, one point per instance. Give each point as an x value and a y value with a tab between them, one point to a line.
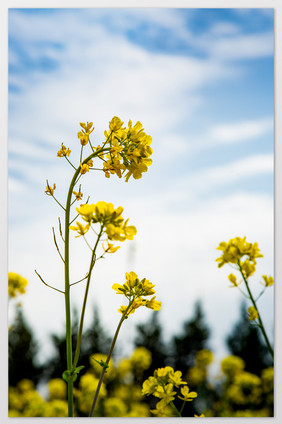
84	138
84	134
110	248
141	358
248	268
86	211
63	151
78	195
232	278
232	365
235	249
253	313
199	416
87	127
115	124
149	386
16	284
186	394
80	228
85	166
268	281
153	304
50	191
57	389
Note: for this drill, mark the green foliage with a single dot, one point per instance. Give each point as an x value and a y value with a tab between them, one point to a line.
194	337
23	349
245	341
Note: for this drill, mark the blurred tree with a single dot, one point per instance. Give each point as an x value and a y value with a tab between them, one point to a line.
23	349
150	336
194	337
94	340
246	341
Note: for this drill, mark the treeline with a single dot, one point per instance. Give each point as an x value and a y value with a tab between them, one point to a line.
179	352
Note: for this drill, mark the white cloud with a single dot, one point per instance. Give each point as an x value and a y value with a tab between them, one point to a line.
212	178
241	131
251	46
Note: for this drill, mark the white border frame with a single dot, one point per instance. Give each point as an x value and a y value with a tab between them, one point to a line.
277	5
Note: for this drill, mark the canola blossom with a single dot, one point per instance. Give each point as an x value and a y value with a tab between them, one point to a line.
110	220
166	384
16	284
135	290
130	150
235	250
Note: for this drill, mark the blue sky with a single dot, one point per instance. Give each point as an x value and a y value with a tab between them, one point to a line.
201	83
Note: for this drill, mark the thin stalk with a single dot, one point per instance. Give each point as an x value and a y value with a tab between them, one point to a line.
259	318
92	263
107	361
174	407
74	180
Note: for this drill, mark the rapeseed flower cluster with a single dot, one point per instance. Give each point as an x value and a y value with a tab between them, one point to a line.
110	219
134	290
165	385
16	284
234	251
130	150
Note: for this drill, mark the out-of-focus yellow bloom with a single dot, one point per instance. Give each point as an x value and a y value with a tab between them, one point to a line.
232	365
141	358
49	190
78	195
232	278
81	229
87	387
97	368
199	416
186	394
114	407
138	410
63	151
57	389
204	357
57	408
124	367
253	313
162	410
246	388
248	268
16	284
268	281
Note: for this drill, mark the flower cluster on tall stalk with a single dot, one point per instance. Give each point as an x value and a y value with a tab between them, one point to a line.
167	385
126	152
242	256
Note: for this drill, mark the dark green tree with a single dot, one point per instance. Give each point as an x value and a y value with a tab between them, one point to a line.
94	340
194	337
246	341
150	336
23	349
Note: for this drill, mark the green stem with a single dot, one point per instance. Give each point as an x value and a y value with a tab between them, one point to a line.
259	318
174	407
74	180
92	263
108	360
